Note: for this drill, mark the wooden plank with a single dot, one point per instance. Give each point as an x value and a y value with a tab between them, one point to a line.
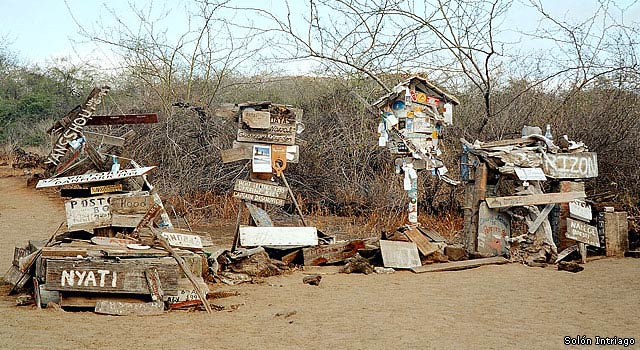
399	255
235	154
98	139
73	130
431	234
154	284
493	229
533	199
76	300
257	119
87	213
122	119
182	240
570	165
261	189
106	189
19	253
582	232
126	220
94	177
119	277
118	308
282	131
112	241
332	253
148	217
278	236
543	216
424	245
460	265
579	209
503	143
616	233
260	216
130	204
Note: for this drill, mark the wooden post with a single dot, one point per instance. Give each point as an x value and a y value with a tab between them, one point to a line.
236	235
566	186
293	198
616	233
474	194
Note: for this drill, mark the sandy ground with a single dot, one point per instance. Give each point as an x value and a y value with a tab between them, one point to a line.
492	307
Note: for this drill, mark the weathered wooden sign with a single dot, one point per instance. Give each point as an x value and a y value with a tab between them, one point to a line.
251	236
182	240
260	216
257	119
88	213
126	204
260	192
73	130
534	199
106	189
571	165
121	119
281	131
493	229
582	232
400	255
579	209
93	177
97	139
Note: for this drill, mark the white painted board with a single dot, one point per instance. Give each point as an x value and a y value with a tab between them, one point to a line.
278	236
530	174
93	177
182	240
580	210
399	255
582	232
88	213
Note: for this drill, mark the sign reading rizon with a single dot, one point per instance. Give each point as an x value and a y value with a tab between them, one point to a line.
74	130
571	165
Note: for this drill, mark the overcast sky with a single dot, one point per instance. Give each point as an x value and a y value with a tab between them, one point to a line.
38	31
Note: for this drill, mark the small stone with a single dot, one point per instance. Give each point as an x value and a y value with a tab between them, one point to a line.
383	270
455	252
569	266
313	280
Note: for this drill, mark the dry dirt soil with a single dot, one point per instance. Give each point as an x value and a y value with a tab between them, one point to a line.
492	307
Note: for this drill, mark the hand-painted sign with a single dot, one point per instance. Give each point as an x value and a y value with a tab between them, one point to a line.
581	232
530	174
571	165
580	210
282	131
106	189
260	192
93	177
88	213
251	236
122	119
73	131
182	240
493	228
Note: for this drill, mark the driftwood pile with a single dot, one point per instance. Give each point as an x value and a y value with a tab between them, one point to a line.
525	198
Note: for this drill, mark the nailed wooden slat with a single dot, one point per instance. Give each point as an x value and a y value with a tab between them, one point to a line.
118	308
424	245
460	265
332	253
533	199
128	204
257	119
122	119
93	177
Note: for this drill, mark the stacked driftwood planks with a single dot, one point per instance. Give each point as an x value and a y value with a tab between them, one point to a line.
117	251
526	198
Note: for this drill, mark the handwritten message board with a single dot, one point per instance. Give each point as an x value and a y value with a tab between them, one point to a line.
571	165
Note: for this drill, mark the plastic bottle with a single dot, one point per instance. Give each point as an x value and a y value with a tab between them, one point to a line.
547	133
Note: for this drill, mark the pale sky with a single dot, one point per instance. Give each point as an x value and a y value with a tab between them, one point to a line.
38	31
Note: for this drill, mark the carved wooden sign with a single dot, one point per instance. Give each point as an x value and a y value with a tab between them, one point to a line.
73	130
571	165
281	131
106	189
93	177
582	232
260	192
182	240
